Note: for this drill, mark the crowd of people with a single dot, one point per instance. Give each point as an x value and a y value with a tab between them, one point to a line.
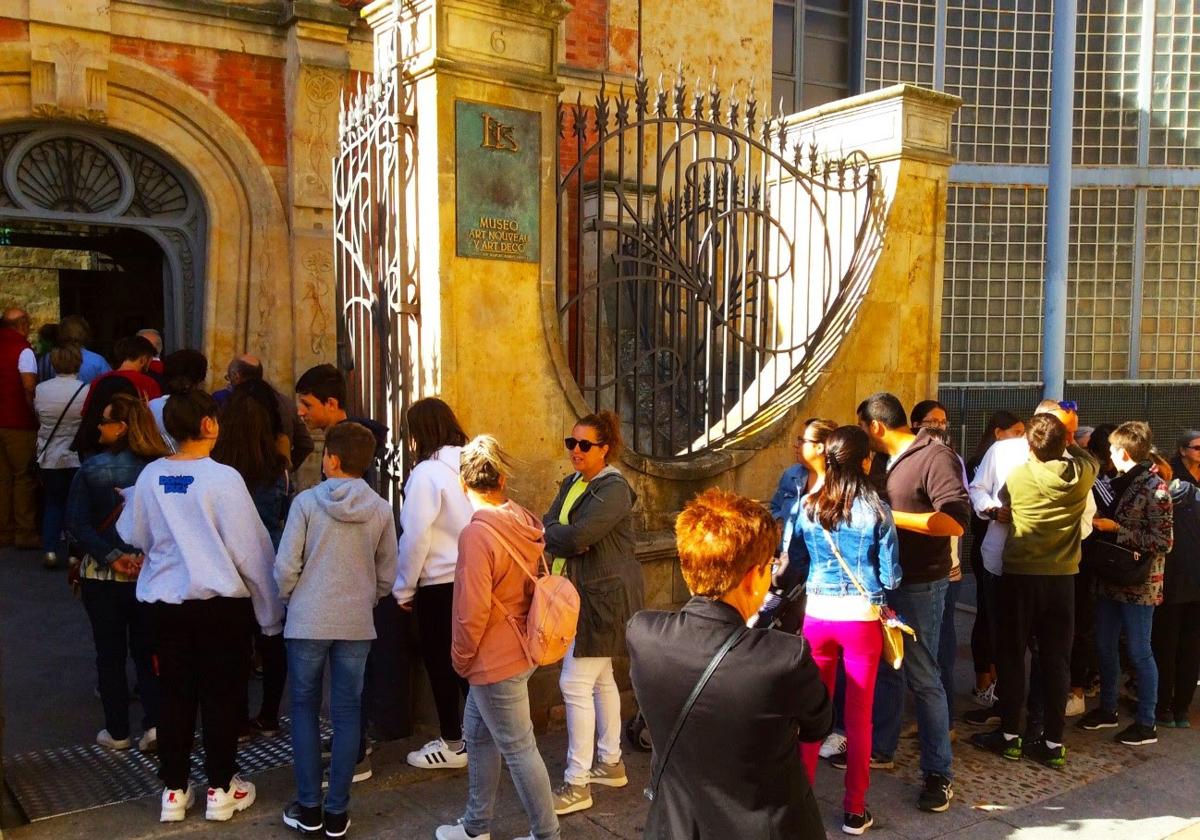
813	618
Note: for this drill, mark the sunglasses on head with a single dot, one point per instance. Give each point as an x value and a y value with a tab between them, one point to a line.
1069	405
584	445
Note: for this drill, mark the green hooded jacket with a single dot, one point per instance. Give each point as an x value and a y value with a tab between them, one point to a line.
1047	508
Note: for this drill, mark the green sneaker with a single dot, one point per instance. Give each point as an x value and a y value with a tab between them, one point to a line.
996	742
1052	757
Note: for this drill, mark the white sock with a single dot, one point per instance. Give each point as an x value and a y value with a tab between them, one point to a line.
453	746
1008	737
1053	745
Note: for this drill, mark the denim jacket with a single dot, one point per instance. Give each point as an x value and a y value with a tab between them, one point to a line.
867	544
93	498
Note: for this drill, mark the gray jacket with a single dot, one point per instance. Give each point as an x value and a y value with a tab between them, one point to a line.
336	560
597	542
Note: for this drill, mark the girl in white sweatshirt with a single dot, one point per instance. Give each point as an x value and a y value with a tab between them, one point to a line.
434	512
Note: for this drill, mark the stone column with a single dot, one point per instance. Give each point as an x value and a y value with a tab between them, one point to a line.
483	81
317	69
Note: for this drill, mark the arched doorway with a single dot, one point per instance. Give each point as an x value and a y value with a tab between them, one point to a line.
120	224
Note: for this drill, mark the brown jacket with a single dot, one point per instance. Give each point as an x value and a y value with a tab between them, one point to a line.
484	646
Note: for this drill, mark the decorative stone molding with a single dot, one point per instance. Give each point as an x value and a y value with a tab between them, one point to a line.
68	73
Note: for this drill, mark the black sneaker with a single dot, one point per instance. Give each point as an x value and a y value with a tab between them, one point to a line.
995	742
936	794
302	818
878	762
1098	719
983	717
1053	757
327	749
857	823
336	825
1136	735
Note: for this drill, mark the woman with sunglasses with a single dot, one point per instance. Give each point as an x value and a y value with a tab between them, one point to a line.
590	534
845	535
120	625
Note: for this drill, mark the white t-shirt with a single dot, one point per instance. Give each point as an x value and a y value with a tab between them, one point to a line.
27	362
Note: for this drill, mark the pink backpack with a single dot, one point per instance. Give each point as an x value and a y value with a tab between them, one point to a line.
553	613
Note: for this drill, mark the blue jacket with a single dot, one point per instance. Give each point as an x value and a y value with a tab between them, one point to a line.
791	486
93	499
867	544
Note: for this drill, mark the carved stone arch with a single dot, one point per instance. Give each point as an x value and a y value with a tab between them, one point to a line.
246	293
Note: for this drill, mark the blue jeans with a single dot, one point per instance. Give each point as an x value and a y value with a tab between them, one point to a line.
1137	619
306	669
948	646
57	485
921	606
496	724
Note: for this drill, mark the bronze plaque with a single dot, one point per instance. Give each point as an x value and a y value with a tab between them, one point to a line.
497	202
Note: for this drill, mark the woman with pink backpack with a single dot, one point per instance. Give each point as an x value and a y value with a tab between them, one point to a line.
499	557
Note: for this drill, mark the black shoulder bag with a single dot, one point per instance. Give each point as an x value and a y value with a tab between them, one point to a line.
656	775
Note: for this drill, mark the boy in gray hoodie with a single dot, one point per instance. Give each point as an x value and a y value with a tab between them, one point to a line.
336	559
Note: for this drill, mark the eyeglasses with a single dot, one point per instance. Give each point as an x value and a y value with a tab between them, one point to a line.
933	424
1069	405
584	445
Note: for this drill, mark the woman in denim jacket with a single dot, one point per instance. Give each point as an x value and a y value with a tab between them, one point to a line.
120	625
843	528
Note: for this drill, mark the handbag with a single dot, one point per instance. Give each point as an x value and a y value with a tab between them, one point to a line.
893	627
75	563
651	789
58	422
1118	565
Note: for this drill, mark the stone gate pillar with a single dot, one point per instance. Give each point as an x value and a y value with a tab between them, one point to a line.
482	75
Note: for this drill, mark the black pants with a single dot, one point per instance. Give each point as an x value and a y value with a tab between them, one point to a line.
1176	642
203	661
387	684
121	628
982	648
1041	607
1083	650
273	655
435	616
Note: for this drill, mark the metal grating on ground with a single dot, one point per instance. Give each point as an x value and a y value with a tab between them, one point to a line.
51	783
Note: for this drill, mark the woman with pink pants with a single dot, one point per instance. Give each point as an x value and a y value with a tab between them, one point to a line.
845	535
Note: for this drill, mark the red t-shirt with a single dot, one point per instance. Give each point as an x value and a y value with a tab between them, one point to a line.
146	387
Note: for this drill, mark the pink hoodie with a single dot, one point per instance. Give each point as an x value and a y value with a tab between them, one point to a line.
484	646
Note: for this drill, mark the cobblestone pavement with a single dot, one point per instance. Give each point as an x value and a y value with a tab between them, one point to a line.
1107	791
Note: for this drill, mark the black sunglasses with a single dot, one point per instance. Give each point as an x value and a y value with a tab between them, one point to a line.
584	445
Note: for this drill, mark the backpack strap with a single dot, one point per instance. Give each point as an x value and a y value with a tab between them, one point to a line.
509	617
656	776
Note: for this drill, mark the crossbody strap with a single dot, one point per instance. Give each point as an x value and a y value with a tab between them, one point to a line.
656	776
58	422
509	617
845	566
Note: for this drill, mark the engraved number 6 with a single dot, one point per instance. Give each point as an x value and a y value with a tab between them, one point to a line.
498	45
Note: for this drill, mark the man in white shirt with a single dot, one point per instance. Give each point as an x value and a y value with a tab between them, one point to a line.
990	502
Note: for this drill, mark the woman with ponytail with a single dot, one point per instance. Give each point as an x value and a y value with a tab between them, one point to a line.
844	534
590	534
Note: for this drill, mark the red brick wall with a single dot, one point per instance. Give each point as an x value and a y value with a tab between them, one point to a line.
587	35
248	88
13	30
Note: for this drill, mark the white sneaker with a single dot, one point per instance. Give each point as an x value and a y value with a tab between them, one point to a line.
436	755
457	832
985	698
106	740
149	740
1075	705
175	804
834	744
223	804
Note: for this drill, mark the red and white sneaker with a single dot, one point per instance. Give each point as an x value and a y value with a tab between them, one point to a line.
175	803
223	804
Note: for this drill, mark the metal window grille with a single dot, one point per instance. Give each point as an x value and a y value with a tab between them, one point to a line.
1107	54
900	43
1100	283
1169	345
998	61
1175	97
991	313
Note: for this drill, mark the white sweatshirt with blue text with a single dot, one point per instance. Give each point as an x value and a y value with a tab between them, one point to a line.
202	537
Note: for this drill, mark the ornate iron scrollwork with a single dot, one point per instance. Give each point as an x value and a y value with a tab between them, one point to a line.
708	261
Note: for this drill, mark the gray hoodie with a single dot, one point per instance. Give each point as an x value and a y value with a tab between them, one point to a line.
336	560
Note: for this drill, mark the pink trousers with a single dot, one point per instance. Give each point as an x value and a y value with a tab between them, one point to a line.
859	644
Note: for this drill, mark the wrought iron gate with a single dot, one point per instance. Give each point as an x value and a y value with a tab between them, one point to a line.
377	289
709	262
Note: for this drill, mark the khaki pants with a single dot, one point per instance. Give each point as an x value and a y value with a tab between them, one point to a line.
18	497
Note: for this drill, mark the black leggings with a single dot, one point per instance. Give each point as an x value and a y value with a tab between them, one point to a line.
435	615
